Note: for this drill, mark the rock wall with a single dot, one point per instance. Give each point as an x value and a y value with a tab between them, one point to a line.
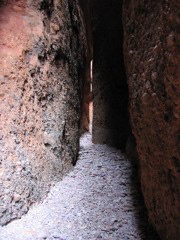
110	93
85	116
42	52
151	52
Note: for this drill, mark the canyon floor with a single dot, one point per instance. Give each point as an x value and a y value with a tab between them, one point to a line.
99	199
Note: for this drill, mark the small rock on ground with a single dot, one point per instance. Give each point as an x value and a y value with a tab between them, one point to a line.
99	199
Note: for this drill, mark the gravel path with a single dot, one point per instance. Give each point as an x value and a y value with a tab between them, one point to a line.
99	199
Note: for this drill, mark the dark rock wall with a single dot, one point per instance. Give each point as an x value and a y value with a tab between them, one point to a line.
151	52
110	94
42	52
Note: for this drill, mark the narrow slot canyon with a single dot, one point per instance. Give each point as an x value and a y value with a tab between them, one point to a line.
89	111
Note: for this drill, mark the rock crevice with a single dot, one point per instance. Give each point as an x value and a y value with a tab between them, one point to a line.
45	51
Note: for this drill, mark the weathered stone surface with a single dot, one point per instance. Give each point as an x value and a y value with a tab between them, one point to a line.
87	98
42	52
152	59
110	94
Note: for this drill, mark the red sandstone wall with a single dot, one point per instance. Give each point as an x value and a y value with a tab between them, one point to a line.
87	15
42	52
152	59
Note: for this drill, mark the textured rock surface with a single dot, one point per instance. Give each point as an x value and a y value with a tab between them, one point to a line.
85	116
110	93
99	199
42	52
152	59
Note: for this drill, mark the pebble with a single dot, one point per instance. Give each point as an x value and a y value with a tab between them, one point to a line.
99	199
